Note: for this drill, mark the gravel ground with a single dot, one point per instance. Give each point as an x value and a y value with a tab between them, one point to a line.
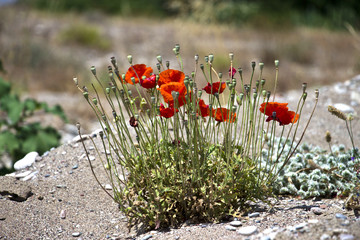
64	201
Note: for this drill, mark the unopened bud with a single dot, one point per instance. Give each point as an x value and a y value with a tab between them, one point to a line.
206	59
196	58
159	58
276	63
304	85
158	66
253	64
220	75
262	82
130	59
113	62
327	137
167	63
94	100
261	65
231	56
86	95
177	47
93	70
211	58
75	81
133	80
316	94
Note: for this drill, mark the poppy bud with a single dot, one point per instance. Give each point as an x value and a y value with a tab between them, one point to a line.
261	65
193	74
94	100
211	58
177	47
159	58
220	75
262	82
107	90
75	81
202	67
268	93
206	59
130	59
276	63
93	70
199	93
167	63
304	85
196	58
316	94
253	64
327	137
113	62
158	66
231	56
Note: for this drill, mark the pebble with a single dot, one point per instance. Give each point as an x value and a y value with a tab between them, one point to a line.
108	187
76	234
313	221
92	158
344	108
23	174
340	216
253	215
230	228
146	237
247	231
317	210
345	223
75	166
47	175
26	161
300	226
236	223
325	237
346	237
30	176
63	214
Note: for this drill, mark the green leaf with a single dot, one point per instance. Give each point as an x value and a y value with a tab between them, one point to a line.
8	142
4	87
13	106
56	110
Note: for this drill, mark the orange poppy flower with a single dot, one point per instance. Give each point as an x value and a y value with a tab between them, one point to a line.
214	88
149	82
283	115
137	71
170	75
223	115
204	109
166	112
167	89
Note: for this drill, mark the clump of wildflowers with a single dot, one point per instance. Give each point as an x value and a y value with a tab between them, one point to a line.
198	151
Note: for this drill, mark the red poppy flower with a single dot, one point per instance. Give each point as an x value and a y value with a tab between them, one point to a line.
223	115
204	109
167	89
170	75
232	72
283	115
149	82
137	71
166	112
214	88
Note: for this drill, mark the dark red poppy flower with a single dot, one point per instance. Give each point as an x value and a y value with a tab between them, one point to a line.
232	72
149	82
137	71
283	115
170	75
223	115
166	112
215	88
204	109
167	89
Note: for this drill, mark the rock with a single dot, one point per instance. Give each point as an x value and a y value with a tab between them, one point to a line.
26	161
30	176
340	216
14	189
63	214
253	215
344	108
317	210
236	223
108	187
346	237
230	228
23	174
325	237
247	231
300	226
146	237
76	234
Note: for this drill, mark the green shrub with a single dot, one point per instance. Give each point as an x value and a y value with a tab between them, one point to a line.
17	136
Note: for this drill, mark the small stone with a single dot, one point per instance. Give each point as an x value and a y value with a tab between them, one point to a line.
344	108
30	176
146	237
75	166
63	152
108	187
346	237
92	158
2	218
26	161
300	226
265	238
317	210
325	237
313	221
23	174
47	175
230	228
253	215
76	234
323	206
338	231
340	216
236	223
345	223
63	214
247	231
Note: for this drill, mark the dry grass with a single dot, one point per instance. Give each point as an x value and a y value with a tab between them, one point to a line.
37	60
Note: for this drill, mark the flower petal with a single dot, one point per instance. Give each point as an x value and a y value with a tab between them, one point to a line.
137	71
170	75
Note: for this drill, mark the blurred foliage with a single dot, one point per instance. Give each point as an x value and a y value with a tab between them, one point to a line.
85	35
18	136
318	13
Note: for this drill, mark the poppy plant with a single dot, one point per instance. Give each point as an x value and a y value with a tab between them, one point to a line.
204	109
166	112
283	115
223	115
167	89
232	72
137	71
149	82
170	75
215	87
